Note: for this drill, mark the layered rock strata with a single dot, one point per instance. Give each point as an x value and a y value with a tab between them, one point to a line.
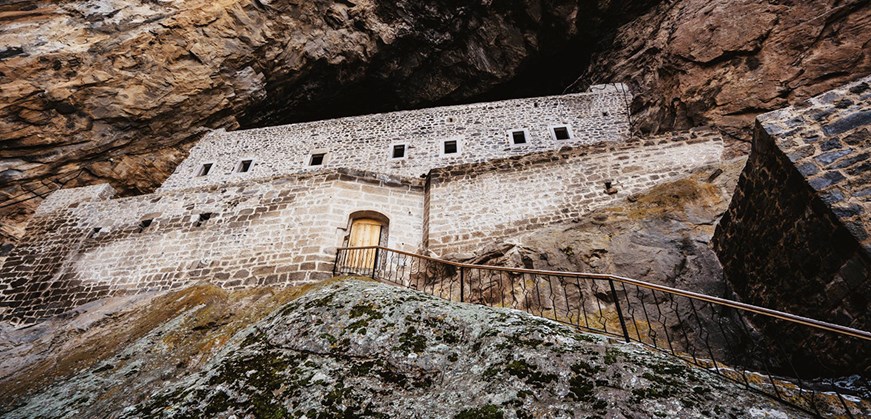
722	62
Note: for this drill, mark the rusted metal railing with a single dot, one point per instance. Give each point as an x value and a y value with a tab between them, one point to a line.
819	367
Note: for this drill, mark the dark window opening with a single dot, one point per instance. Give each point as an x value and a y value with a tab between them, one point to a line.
317	159
204	170
203	218
561	133
399	151
451	147
519	137
144	224
95	231
244	166
450	119
605	114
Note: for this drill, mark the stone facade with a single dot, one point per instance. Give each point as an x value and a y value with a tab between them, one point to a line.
475	204
366	142
280	231
796	236
280	223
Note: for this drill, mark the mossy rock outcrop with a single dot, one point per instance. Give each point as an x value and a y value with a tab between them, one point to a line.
363	349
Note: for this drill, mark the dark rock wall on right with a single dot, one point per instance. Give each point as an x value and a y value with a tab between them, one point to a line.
795	237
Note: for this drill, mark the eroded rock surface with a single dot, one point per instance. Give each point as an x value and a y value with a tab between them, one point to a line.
363	348
722	62
116	91
141	341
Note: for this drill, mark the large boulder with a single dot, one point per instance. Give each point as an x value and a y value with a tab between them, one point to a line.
359	348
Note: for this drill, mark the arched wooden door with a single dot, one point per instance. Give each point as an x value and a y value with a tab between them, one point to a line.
364	232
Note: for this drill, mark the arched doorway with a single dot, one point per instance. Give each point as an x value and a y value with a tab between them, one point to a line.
367	228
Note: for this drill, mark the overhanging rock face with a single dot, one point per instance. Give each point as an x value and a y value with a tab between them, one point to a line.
796	236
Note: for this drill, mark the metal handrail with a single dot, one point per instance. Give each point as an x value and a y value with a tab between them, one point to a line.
738	341
831	327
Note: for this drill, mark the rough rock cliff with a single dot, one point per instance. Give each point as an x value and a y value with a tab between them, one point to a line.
722	62
358	348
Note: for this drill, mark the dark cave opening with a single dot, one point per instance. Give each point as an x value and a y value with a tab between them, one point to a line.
558	66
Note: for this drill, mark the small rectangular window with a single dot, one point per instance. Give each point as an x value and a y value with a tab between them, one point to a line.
518	137
398	151
451	147
144	224
244	166
561	133
204	169
317	159
206	216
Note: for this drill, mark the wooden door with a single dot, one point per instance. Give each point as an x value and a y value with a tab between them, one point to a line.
364	232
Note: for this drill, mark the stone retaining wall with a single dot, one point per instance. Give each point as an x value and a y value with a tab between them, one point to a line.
476	204
279	232
280	222
796	236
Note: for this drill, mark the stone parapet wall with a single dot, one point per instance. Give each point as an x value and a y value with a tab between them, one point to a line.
365	142
796	236
279	232
65	197
474	205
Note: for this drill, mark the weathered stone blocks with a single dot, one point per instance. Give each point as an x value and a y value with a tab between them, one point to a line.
276	232
280	222
795	237
475	204
366	142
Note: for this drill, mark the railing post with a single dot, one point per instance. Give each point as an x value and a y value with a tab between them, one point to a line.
619	311
461	284
336	262
375	262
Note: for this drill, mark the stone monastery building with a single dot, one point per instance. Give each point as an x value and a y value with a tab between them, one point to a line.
270	206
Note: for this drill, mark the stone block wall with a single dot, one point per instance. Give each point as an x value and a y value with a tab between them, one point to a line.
365	142
281	231
65	197
281	222
796	236
473	205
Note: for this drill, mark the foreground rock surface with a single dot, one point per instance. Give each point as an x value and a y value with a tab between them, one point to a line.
359	348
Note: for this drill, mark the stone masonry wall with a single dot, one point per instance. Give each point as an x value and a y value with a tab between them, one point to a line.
796	236
63	198
281	231
473	205
365	142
